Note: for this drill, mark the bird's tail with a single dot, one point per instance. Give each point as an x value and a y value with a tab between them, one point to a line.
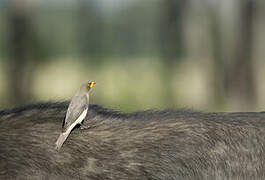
61	139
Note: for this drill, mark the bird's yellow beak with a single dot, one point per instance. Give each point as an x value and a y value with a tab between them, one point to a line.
92	84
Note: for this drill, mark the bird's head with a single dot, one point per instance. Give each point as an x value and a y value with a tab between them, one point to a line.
87	86
90	85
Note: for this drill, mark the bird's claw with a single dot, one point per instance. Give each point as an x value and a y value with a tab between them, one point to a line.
84	127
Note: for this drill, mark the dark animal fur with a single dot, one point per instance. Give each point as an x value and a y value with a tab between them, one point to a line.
141	145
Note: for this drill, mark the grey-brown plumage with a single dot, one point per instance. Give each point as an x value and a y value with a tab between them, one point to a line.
76	112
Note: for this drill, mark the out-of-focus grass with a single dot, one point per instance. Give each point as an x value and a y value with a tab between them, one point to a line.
3	84
127	85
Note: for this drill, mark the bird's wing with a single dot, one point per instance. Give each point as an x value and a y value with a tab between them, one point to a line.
77	105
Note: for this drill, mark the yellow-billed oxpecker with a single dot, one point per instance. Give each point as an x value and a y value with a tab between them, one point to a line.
76	112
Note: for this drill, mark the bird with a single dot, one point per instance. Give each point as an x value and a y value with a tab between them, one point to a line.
76	112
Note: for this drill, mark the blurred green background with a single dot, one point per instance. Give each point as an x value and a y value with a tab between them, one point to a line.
202	54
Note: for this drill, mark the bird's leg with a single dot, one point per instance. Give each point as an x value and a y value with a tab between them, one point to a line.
82	126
